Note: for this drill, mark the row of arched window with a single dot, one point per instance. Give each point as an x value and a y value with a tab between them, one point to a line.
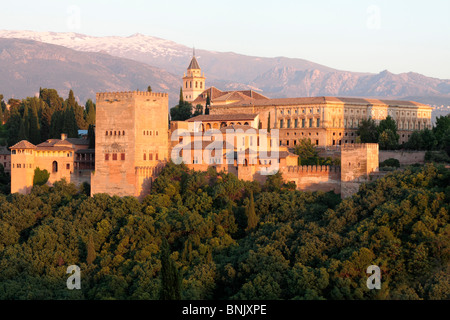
114	156
115	133
150	156
150	132
30	166
197	84
304	123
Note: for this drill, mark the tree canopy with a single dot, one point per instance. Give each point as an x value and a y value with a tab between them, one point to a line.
195	226
37	119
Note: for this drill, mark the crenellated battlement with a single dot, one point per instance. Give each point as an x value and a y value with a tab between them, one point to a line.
357	146
311	169
128	94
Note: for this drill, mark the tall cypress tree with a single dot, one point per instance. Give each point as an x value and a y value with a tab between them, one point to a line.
252	218
46	120
91	255
71	102
180	102
69	123
170	279
208	103
13	126
34	128
22	133
26	118
90	113
268	123
1	109
57	124
91	136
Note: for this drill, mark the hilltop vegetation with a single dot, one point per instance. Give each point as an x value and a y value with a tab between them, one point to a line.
37	119
229	239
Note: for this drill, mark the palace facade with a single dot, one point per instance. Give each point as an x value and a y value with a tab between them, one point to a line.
133	140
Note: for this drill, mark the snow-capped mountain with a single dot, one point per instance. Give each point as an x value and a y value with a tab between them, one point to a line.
274	77
166	54
114	45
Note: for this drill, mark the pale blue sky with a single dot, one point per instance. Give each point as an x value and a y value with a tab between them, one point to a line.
354	35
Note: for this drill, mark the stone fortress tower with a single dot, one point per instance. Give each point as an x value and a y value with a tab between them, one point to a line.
193	81
131	142
358	162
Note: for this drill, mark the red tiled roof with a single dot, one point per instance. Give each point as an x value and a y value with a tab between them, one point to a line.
54	148
24	144
324	100
55	145
224	117
219	95
50	143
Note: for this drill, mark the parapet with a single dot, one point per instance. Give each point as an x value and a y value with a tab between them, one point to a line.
355	146
311	169
128	94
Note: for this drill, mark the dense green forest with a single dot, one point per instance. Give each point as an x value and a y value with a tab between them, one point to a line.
37	119
385	134
208	235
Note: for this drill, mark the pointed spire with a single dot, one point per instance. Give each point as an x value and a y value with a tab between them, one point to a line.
193	64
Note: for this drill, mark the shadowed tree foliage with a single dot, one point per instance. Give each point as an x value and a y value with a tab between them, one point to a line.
309	155
90	250
170	279
252	218
91	136
90	113
181	112
368	131
40	177
387	133
306	245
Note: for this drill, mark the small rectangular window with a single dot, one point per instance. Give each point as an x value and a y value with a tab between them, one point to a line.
114	156
106	156
122	156
68	166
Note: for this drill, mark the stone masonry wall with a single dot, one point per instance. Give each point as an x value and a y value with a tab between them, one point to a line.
405	157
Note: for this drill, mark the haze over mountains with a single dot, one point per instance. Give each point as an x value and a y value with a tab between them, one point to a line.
90	64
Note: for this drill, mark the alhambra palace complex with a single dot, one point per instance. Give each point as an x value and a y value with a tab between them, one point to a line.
133	140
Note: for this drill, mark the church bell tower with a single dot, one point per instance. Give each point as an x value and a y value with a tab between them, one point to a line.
193	81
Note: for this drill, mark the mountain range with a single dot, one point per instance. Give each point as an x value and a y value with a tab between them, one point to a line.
88	64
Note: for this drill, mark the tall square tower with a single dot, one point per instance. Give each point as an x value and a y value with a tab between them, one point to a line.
131	141
358	161
193	81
